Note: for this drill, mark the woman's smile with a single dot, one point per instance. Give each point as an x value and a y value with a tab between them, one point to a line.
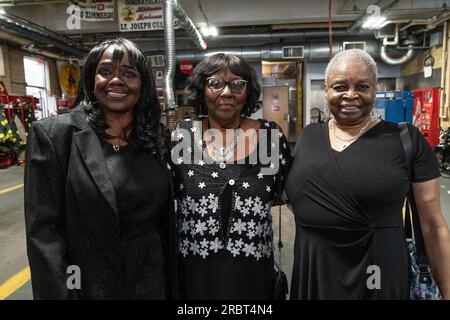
116	93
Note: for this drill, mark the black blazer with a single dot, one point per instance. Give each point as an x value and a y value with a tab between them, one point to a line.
71	212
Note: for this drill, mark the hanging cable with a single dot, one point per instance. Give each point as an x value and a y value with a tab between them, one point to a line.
330	30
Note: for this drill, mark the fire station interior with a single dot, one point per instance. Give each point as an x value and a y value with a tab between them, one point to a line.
288	43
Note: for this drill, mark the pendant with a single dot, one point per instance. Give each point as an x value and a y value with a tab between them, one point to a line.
223	152
345	145
116	147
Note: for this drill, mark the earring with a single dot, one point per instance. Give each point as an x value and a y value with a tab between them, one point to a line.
327	115
375	114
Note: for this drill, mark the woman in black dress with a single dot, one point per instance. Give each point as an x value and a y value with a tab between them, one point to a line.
226	186
347	184
98	202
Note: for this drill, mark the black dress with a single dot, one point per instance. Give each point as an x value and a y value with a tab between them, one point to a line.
142	193
224	223
348	212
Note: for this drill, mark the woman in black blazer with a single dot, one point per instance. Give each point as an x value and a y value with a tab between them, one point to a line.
98	192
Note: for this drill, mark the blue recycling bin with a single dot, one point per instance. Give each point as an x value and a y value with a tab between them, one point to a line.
395	106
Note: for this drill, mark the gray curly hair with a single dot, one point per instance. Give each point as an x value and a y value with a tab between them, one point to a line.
351	54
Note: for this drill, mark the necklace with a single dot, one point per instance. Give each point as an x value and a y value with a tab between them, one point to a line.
226	153
116	147
348	141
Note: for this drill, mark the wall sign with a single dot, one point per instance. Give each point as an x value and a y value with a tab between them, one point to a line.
69	78
96	10
141	15
186	67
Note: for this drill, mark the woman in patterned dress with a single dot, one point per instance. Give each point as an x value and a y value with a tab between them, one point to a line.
229	169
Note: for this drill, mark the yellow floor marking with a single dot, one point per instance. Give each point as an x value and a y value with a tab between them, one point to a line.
17	186
14	283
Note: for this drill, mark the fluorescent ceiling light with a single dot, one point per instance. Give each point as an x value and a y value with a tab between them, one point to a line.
374	22
204	31
209	31
213	31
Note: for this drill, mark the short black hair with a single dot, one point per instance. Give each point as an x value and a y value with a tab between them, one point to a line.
194	91
147	133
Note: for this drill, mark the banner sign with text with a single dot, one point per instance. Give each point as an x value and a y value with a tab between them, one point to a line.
96	10
141	15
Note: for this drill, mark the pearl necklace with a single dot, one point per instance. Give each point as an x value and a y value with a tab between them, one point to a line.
348	141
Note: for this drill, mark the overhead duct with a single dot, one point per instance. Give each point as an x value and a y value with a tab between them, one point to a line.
169	44
172	8
266	37
295	35
38	34
315	52
395	61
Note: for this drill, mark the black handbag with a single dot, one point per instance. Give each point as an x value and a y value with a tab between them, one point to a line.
280	285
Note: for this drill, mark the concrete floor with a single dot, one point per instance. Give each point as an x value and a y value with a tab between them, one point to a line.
12	232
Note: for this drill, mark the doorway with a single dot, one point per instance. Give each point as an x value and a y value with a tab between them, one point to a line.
280	95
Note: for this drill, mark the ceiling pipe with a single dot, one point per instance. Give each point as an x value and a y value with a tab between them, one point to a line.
172	8
282	35
386	42
15	3
263	36
187	24
26	45
37	28
313	52
169	46
396	61
36	33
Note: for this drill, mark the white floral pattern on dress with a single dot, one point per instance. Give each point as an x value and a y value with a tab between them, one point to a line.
248	235
199	218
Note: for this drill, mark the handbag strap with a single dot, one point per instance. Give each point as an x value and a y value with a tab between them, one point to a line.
411	203
280	243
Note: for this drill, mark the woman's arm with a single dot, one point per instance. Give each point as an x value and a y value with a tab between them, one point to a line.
435	232
44	217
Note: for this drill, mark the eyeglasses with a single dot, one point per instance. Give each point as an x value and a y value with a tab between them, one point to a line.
217	84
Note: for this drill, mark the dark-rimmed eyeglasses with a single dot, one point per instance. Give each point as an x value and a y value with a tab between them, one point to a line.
217	84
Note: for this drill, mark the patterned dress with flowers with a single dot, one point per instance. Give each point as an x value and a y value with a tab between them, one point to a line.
223	216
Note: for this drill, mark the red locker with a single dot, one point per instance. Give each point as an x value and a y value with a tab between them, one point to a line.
426	113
